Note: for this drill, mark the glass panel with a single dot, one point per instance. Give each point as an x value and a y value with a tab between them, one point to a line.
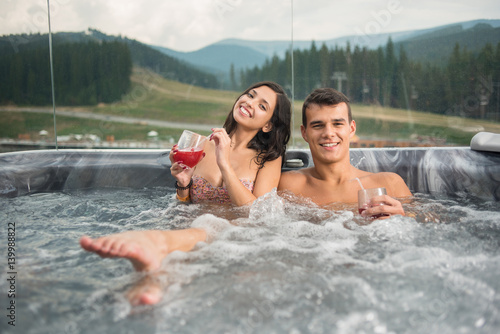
417	73
147	66
25	77
148	70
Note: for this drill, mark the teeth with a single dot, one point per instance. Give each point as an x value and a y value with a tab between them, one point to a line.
244	111
329	145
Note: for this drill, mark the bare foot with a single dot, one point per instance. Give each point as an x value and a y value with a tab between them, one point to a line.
145	249
147	291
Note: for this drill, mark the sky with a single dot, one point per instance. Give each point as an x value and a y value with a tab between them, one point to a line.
188	25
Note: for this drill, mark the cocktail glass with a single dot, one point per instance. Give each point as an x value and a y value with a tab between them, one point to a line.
365	196
190	148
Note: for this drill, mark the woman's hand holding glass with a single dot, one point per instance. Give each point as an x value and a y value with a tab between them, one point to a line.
185	155
182	173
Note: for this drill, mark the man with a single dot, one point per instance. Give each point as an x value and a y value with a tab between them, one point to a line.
327	126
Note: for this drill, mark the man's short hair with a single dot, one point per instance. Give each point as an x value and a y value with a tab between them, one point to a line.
324	97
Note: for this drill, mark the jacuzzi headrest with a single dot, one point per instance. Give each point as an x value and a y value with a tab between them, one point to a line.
486	141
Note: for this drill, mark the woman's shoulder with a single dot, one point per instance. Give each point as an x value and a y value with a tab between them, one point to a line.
274	162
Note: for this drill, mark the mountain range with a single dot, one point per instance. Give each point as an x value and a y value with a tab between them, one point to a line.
210	66
432	44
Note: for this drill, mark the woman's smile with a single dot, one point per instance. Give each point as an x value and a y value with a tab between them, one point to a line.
244	111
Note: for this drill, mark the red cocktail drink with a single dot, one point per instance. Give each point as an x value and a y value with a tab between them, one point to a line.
189	148
189	156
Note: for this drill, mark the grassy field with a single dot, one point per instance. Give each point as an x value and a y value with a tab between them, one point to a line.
153	97
25	123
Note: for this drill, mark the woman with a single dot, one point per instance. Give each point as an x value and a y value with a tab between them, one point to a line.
248	151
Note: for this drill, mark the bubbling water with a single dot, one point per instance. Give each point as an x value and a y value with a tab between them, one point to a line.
281	265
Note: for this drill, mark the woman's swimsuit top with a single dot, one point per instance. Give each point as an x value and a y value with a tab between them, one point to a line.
204	191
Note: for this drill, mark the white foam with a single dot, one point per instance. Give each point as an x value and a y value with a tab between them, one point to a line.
267	208
362	322
418	257
343	273
395	228
211	224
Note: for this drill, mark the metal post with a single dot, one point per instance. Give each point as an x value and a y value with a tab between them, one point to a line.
293	79
52	76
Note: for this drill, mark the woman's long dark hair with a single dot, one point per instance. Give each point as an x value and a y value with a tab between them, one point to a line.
269	145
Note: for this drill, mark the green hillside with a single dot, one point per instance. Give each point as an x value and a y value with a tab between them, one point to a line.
13	47
437	46
154	97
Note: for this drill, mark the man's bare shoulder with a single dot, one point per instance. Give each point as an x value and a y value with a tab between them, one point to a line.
393	182
384	176
295	178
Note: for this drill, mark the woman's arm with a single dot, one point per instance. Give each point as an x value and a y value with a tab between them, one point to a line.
182	174
267	177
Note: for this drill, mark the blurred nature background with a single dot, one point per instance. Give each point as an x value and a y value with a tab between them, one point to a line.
130	75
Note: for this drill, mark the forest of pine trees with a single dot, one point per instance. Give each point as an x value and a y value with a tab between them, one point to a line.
90	72
468	86
84	74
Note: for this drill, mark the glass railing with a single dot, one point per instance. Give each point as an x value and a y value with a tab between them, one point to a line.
413	85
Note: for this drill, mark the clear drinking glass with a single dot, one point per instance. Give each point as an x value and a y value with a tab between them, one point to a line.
364	197
190	148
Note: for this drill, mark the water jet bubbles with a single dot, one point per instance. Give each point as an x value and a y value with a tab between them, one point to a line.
121	309
268	208
395	228
337	220
479	323
333	251
212	225
70	327
368	322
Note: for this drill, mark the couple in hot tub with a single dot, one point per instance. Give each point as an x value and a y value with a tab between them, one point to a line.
249	151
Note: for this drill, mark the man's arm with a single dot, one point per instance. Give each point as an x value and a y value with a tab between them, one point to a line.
396	186
386	205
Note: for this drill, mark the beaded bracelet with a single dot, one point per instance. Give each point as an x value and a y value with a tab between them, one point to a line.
183	188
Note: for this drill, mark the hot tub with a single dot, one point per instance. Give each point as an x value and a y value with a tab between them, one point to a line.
276	267
445	171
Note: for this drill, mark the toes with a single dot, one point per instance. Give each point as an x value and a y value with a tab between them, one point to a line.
85	242
148	291
150	298
96	244
105	245
122	250
89	244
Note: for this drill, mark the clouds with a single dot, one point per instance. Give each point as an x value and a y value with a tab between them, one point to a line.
191	24
330	19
